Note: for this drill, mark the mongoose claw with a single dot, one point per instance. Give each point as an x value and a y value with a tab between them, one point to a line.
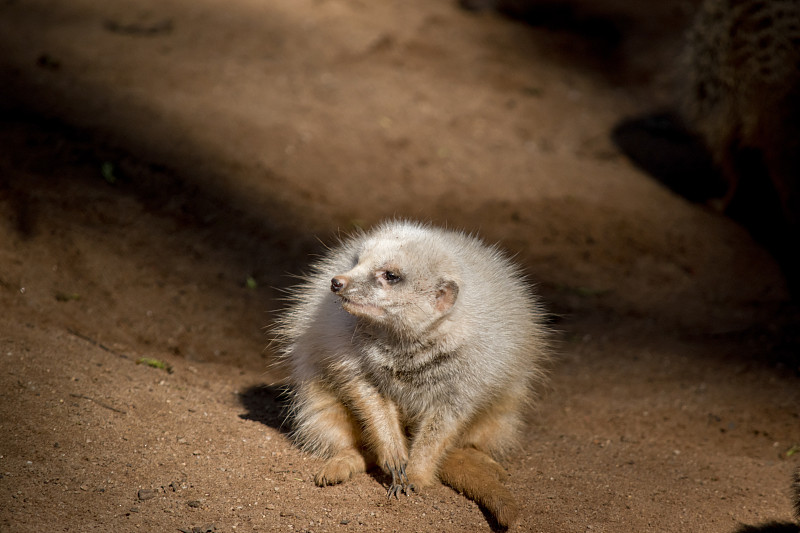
394	490
400	482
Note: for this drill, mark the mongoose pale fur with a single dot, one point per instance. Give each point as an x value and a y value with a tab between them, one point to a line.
414	348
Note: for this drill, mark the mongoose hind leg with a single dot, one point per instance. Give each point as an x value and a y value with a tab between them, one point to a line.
496	429
470	469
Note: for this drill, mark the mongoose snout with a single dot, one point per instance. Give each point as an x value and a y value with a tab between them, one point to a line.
338	283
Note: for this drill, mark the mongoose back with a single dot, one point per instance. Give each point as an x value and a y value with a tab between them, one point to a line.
414	348
741	93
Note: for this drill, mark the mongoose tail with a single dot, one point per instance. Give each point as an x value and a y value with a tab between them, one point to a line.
477	476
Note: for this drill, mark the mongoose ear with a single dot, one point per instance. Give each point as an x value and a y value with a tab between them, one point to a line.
446	294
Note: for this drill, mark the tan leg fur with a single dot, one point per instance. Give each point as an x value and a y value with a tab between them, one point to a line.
477	476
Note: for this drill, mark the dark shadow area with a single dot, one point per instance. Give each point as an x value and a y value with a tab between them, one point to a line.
583	40
268	405
608	40
555	16
58	182
662	146
776	344
770	527
264	237
757	206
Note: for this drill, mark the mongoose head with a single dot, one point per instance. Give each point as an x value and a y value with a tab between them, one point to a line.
407	285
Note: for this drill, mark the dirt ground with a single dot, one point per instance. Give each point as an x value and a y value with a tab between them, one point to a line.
164	166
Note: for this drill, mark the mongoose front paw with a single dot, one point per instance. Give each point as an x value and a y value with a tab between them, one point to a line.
400	482
339	468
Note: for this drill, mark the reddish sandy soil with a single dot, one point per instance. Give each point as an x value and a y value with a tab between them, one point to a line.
165	164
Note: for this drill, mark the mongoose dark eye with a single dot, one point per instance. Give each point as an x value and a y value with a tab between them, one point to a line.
391	277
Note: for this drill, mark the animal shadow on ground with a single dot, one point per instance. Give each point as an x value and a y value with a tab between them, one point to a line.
557	16
770	527
266	404
662	146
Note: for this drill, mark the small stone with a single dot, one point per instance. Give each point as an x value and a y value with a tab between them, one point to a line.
194	504
147	494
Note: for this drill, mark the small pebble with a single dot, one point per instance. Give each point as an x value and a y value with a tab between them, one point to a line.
147	494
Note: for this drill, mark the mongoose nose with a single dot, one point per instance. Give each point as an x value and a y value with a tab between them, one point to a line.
338	283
